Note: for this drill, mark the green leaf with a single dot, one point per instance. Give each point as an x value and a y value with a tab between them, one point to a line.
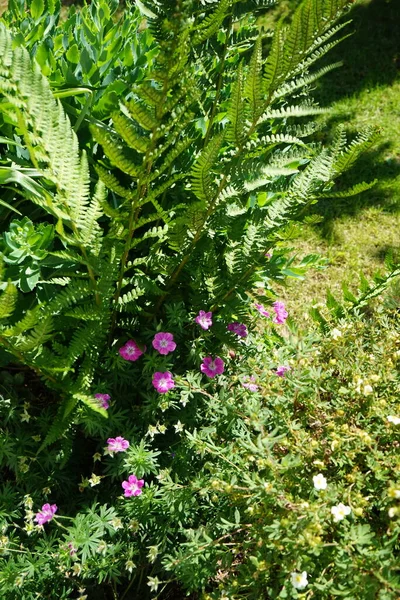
37	8
73	54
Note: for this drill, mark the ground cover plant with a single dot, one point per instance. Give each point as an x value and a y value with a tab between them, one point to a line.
142	238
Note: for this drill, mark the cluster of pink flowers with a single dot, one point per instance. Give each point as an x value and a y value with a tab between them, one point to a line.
46	514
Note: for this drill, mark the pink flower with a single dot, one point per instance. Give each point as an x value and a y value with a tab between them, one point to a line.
46	514
118	444
249	383
133	486
131	351
280	371
239	328
163	382
261	310
164	343
103	400
280	312
211	367
268	255
204	319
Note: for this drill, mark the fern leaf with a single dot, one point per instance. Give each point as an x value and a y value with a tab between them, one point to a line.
8	300
236	111
114	185
128	132
142	115
253	88
116	152
202	180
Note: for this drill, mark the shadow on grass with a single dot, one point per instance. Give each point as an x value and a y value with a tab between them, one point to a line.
371	59
371	55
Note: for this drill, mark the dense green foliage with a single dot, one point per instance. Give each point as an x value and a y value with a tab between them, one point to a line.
156	198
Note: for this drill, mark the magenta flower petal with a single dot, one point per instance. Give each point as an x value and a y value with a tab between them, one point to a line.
163	382
280	313
239	328
103	400
212	367
130	351
280	371
118	444
204	319
46	514
250	383
164	343
262	310
132	487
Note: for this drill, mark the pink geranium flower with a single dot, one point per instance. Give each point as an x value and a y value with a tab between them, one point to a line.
130	351
133	487
239	328
212	367
261	309
163	382
103	400
250	383
280	371
164	343
204	319
118	444
46	514
280	313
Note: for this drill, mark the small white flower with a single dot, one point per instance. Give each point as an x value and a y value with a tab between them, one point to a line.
368	389
396	494
320	482
340	511
130	565
392	512
153	582
336	333
299	580
179	427
393	419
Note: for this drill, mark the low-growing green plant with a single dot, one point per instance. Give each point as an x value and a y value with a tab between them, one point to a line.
132	279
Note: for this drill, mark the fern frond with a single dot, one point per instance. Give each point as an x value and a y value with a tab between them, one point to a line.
353	191
299	110
111	181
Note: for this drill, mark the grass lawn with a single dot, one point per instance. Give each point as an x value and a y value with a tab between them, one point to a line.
357	232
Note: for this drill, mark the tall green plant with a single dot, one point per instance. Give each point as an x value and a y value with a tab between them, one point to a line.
205	167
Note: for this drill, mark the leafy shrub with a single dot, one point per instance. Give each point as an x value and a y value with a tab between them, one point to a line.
191	168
